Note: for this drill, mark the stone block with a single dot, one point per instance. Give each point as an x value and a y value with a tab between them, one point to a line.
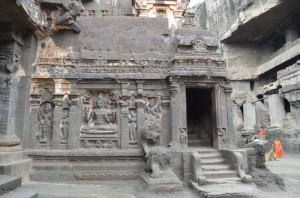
9	182
168	183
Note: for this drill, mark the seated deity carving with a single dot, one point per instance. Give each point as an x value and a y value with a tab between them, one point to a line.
101	119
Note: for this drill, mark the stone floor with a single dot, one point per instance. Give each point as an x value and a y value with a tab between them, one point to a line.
287	167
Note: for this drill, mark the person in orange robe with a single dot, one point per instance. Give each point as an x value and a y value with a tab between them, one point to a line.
261	132
278	148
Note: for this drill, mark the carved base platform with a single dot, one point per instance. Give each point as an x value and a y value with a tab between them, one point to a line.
168	183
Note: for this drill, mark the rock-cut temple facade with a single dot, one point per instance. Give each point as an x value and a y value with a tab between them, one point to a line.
145	89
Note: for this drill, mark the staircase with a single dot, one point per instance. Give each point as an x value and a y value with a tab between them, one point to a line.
214	177
10	187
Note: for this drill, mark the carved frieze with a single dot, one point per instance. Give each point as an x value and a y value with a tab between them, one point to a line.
98	144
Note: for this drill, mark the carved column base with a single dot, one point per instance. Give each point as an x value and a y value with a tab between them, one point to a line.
275	126
10	143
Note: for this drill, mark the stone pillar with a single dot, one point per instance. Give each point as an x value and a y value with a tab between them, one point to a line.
174	113
33	121
178	114
9	63
74	123
57	112
249	118
166	121
124	123
230	128
276	109
140	119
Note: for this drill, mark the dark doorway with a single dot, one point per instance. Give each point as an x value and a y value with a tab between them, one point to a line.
199	117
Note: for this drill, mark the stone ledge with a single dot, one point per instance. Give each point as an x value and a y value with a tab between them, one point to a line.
85	153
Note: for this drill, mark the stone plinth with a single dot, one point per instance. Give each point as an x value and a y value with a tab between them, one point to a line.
167	183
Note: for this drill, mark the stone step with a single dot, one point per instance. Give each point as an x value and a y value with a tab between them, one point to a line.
6	157
203	149
222	190
220	174
9	183
17	167
228	180
215	160
215	167
21	193
210	155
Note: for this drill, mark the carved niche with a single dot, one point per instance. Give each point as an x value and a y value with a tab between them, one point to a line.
99	128
152	118
64	123
45	118
132	126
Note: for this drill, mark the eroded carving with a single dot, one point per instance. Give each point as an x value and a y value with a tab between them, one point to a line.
10	55
238	99
98	144
67	16
45	117
160	161
3	124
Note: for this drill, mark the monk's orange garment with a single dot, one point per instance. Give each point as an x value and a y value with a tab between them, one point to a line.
278	148
261	133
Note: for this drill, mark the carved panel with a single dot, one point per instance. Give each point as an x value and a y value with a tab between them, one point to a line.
98	144
99	115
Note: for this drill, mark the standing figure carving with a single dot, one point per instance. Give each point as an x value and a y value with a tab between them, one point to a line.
64	123
101	119
45	117
68	16
132	118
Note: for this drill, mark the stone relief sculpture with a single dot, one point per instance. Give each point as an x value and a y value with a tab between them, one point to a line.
98	144
101	119
160	161
64	123
45	117
132	126
63	17
238	99
67	16
10	57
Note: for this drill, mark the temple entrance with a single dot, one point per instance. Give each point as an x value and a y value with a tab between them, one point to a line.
199	117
